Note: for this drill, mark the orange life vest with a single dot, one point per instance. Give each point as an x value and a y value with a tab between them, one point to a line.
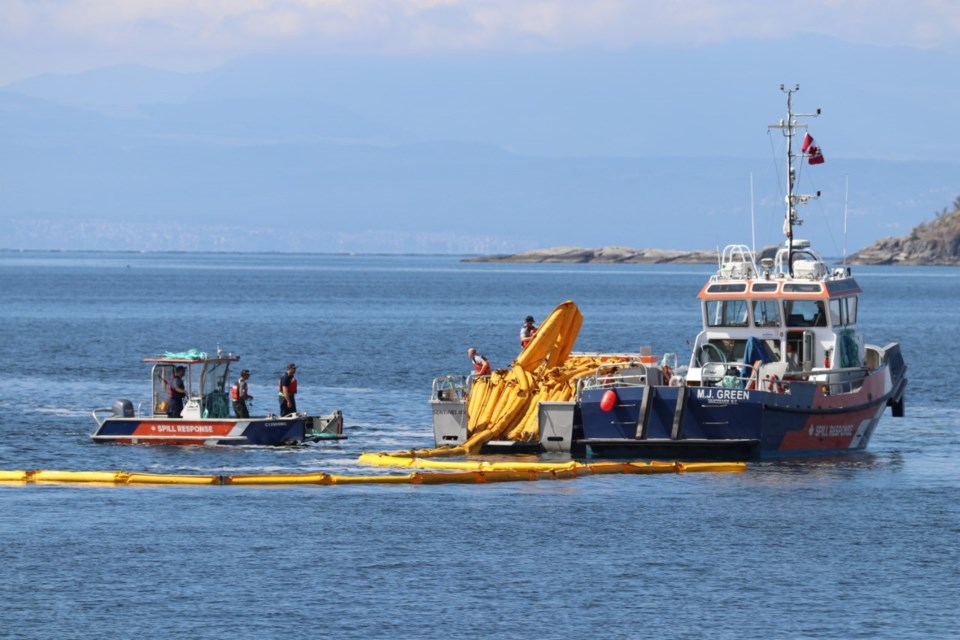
292	387
481	365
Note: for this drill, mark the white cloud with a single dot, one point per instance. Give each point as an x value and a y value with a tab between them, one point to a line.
64	35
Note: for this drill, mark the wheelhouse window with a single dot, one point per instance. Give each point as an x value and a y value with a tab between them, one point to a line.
805	313
843	311
837	312
766	313
726	313
851	310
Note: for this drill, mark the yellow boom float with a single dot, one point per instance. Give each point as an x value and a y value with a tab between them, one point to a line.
470	472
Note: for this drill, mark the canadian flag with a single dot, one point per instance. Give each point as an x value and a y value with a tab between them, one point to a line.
811	149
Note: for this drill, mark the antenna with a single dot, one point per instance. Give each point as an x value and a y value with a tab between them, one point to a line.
846	198
753	226
789	128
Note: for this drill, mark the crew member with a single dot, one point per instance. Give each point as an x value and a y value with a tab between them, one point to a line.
240	393
177	393
480	364
527	331
288	391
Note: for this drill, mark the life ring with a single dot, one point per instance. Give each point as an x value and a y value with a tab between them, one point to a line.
774	384
667	373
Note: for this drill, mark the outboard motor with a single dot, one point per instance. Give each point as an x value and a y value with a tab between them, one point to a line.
123	409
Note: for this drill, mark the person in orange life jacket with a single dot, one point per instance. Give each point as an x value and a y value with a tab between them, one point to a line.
177	393
480	364
240	393
527	331
288	391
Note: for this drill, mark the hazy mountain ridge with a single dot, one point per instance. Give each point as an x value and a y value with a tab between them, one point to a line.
524	152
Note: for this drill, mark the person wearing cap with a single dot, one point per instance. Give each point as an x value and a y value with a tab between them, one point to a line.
177	393
527	331
288	391
240	393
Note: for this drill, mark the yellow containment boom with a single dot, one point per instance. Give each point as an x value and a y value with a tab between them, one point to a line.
578	468
504	405
471	472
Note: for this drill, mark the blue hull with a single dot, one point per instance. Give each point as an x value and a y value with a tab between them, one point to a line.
713	423
167	431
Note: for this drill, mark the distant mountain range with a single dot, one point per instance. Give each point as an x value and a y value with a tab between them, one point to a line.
474	154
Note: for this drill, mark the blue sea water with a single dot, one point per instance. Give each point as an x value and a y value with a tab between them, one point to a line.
861	546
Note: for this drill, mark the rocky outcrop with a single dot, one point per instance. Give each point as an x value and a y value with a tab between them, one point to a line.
603	255
934	243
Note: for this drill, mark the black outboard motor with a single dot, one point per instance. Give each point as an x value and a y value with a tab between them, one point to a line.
123	409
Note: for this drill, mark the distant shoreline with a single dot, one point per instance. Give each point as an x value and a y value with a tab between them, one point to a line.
603	255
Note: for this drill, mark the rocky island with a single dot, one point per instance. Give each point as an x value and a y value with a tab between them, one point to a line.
933	243
603	255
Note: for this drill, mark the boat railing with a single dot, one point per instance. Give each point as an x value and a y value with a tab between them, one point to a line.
104	410
834	382
737	262
451	388
805	262
618	374
736	375
730	375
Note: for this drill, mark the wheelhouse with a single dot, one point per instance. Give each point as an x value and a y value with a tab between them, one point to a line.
206	382
804	317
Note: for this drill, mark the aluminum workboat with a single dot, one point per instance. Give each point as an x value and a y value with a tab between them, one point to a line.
206	416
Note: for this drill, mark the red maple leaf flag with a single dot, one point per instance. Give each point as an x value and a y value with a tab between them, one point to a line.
811	150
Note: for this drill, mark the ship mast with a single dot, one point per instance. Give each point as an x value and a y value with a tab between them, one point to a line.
789	128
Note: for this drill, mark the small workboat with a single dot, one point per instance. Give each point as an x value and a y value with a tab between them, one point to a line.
206	417
779	369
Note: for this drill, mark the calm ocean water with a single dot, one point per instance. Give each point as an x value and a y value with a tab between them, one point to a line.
863	546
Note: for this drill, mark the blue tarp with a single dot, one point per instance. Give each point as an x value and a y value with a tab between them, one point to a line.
753	351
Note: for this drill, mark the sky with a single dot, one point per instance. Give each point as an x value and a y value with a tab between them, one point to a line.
427	107
71	36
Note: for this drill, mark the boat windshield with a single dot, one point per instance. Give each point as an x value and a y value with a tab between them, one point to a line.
805	313
766	313
214	377
726	313
213	389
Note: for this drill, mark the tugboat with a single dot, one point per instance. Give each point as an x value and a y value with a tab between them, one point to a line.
205	419
779	369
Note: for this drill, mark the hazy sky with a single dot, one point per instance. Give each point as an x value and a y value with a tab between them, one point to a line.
65	36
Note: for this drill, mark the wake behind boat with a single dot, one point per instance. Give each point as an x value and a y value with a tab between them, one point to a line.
205	418
779	369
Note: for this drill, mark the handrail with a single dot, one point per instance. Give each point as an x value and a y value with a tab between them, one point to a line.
97	419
